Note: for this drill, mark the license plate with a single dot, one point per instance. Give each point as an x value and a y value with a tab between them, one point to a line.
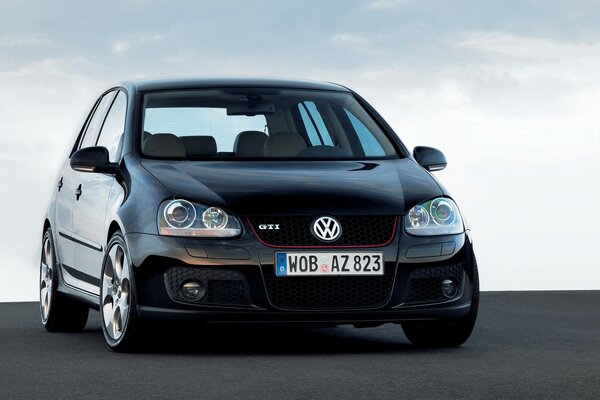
320	264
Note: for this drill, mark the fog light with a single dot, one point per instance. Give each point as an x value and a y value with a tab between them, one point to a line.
449	287
193	290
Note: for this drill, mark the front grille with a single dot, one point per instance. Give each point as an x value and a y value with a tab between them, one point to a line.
424	284
223	286
357	231
329	292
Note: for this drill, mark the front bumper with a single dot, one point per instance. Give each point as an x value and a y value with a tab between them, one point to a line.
243	267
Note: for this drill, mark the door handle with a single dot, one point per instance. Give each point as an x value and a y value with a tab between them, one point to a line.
60	184
78	192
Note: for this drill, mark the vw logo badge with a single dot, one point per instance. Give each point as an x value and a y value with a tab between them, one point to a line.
326	229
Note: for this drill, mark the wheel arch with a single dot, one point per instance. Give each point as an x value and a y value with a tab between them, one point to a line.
46	225
112	228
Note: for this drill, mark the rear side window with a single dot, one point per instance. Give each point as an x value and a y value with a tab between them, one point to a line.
114	125
370	145
91	132
313	124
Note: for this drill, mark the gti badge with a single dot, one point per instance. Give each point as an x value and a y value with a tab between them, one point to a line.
268	227
326	229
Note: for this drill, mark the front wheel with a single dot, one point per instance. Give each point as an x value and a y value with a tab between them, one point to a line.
445	333
120	323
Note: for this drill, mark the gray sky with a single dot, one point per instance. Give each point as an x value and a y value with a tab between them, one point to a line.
509	90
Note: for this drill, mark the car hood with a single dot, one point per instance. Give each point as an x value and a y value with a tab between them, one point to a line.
251	188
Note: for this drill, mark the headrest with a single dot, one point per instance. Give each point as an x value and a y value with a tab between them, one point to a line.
284	144
250	144
163	145
199	146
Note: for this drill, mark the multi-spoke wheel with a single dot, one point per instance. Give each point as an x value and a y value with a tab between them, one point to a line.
58	312
46	278
119	319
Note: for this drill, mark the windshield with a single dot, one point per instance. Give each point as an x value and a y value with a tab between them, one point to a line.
260	124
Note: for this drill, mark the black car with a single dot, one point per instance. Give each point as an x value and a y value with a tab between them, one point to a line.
252	201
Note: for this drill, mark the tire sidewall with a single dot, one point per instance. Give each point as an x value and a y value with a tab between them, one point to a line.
48	235
447	333
118	239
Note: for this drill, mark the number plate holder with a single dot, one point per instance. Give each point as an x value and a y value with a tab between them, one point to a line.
328	264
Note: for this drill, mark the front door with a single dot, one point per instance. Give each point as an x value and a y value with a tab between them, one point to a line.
69	195
90	224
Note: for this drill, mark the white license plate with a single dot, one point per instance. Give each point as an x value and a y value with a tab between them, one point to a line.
320	264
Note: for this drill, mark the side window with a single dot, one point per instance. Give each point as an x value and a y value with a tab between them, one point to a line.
91	132
114	125
314	125
370	145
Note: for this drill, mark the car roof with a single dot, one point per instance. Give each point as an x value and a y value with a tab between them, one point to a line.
229	82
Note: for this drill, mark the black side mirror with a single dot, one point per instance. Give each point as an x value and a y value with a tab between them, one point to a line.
93	159
429	158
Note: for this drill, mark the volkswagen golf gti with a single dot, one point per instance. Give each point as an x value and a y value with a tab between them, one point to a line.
252	200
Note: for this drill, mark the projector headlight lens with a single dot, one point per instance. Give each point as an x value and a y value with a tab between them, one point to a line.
442	212
180	218
180	214
435	217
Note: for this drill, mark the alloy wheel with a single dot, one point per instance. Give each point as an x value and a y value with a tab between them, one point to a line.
46	278
116	292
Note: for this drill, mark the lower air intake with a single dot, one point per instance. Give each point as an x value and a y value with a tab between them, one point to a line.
223	286
329	292
425	284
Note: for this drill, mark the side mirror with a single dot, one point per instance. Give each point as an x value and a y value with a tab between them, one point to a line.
429	158
93	159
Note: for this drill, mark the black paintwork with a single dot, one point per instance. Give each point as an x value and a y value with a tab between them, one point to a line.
93	159
231	82
386	187
87	208
430	158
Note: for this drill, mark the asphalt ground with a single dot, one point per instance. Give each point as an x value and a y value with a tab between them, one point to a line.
525	345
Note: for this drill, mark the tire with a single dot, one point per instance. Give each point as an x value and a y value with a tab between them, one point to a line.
58	312
446	333
120	323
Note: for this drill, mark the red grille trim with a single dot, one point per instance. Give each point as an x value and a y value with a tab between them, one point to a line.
328	246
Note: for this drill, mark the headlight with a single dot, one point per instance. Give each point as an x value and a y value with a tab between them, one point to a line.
183	218
436	217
